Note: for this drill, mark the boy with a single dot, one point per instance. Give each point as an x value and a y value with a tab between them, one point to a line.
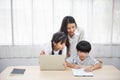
83	58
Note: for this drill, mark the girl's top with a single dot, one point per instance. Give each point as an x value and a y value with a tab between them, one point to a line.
48	50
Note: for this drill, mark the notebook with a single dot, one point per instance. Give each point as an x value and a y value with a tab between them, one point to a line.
81	73
17	71
52	62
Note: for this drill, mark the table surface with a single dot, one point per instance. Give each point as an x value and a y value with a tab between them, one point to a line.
107	72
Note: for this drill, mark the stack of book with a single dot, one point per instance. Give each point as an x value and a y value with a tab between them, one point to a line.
17	71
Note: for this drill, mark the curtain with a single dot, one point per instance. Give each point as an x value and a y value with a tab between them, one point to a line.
5	23
33	22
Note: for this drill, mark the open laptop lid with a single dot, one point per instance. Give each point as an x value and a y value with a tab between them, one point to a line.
52	62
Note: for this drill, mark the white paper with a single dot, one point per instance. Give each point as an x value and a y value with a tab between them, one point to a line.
81	73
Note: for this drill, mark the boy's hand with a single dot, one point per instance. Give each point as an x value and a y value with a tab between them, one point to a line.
88	70
65	65
72	65
77	66
42	52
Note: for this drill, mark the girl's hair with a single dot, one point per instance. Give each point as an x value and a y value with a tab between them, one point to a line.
58	37
66	20
83	46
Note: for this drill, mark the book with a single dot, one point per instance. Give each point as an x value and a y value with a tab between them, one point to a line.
81	73
17	71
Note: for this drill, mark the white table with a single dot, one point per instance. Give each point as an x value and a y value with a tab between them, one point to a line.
107	72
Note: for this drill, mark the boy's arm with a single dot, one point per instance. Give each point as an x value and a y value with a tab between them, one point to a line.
72	65
96	66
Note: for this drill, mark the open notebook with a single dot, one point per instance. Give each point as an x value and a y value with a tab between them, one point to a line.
81	73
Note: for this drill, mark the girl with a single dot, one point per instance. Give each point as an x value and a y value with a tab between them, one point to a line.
74	34
57	46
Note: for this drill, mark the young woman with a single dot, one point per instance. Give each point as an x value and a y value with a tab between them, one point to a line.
57	46
74	34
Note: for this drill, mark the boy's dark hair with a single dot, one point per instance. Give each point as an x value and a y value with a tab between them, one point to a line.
57	37
83	46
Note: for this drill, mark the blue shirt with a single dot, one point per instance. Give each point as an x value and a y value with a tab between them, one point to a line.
89	61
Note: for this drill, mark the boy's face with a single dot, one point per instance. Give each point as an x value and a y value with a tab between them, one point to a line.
82	55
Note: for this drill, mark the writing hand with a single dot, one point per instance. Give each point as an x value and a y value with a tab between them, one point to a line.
77	66
88	70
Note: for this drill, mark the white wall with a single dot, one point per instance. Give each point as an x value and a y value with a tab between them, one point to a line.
24	22
28	55
25	51
32	23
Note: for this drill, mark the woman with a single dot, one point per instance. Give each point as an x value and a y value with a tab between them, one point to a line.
74	34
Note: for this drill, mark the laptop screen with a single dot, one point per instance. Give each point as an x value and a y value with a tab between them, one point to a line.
52	62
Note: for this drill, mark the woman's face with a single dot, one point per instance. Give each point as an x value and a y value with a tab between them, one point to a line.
71	29
59	46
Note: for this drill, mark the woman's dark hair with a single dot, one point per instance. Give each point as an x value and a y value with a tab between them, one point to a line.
66	20
58	37
83	46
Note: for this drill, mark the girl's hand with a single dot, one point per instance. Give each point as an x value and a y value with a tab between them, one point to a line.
42	52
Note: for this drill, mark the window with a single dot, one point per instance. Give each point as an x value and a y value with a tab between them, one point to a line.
35	21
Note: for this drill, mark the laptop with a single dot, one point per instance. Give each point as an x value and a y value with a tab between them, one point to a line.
52	62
